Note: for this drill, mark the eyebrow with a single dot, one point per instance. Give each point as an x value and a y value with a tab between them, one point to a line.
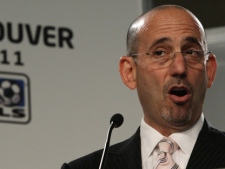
161	40
167	39
193	40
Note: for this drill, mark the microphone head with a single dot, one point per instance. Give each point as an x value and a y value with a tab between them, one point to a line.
117	120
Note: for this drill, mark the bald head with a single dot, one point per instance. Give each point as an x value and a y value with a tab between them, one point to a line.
147	20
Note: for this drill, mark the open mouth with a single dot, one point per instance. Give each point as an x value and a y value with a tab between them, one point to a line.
178	91
179	95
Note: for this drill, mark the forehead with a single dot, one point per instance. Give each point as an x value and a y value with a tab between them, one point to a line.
177	24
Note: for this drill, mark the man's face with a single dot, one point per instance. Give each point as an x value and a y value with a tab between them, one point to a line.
172	96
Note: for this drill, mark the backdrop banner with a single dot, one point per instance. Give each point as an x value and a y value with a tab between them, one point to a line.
59	80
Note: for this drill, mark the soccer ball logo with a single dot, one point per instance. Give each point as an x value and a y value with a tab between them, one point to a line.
9	93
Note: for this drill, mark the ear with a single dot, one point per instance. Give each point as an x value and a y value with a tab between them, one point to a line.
127	68
211	67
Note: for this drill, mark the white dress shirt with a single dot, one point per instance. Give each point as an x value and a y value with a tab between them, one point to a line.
185	140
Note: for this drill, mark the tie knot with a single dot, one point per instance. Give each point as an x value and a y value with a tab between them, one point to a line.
167	145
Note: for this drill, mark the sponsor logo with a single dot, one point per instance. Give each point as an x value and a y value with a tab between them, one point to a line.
14	98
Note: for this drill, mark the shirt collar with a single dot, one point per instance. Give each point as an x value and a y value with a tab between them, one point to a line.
150	137
189	136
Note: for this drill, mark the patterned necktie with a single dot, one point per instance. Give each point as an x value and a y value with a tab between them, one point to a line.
166	148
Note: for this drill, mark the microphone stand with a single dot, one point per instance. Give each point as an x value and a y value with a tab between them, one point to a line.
106	148
115	121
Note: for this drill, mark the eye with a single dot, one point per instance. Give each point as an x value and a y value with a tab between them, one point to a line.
190	52
159	53
194	55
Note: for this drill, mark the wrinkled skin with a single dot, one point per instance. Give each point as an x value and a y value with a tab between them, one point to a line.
175	30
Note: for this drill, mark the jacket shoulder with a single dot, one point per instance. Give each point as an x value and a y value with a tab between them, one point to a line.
216	135
93	159
88	161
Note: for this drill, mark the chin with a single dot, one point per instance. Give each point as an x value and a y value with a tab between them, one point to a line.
178	118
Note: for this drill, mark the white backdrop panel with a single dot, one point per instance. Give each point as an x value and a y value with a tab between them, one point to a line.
74	91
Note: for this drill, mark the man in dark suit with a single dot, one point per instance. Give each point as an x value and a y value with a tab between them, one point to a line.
169	64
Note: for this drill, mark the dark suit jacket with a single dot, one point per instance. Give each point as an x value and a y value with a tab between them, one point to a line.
208	153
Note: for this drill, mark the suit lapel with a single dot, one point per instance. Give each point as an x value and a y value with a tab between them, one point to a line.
129	154
133	152
209	149
199	149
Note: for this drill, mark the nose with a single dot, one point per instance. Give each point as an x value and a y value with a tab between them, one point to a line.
179	66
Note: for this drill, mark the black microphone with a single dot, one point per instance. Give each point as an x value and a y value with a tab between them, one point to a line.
115	122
